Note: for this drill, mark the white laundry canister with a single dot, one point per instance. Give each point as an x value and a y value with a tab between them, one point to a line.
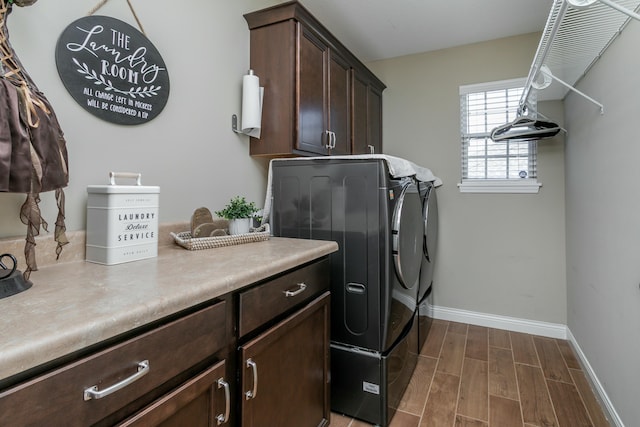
122	221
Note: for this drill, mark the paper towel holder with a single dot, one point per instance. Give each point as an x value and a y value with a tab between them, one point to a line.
234	117
234	124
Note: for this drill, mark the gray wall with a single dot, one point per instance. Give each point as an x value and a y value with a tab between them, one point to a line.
189	149
501	254
603	221
511	246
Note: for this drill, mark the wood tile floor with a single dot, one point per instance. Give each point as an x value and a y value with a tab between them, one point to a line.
472	376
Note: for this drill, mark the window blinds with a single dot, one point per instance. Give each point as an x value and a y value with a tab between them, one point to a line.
482	108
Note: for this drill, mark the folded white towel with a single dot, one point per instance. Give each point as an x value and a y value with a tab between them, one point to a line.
399	168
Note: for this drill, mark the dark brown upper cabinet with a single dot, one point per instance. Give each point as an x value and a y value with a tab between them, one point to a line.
319	98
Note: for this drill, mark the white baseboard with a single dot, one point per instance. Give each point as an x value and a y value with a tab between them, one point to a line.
601	394
534	327
545	329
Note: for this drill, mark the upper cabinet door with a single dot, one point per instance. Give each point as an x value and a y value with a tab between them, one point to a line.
312	95
374	119
360	140
367	115
339	104
324	98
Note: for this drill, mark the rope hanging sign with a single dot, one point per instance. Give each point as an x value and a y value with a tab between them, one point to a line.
112	70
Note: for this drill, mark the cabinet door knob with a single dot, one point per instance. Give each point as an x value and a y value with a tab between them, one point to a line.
93	393
223	418
251	394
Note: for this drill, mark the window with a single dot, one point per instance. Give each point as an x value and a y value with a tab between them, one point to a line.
488	166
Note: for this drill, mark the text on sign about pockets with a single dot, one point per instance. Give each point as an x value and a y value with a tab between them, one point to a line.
112	70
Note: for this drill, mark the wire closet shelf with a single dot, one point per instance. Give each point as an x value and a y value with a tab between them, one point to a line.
576	34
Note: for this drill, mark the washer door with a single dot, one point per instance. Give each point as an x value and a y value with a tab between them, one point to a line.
408	232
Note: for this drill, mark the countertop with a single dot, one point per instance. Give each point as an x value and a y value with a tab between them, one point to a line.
78	304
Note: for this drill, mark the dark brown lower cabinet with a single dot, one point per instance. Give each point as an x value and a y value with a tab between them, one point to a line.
285	371
203	401
184	371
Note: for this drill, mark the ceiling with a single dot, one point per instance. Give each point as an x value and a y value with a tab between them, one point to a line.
381	29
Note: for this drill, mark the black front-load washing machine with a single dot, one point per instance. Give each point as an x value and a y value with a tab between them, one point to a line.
377	221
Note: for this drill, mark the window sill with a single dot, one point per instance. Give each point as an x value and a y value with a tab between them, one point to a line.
527	186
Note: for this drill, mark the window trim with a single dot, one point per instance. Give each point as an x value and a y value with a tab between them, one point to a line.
489	86
524	185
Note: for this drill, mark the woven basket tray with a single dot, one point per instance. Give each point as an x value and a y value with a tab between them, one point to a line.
185	240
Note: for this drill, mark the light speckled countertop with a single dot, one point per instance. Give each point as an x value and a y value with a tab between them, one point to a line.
78	304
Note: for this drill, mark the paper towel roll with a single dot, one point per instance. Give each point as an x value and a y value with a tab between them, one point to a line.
251	105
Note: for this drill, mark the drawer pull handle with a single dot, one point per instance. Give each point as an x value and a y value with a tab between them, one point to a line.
93	393
301	289
223	418
251	394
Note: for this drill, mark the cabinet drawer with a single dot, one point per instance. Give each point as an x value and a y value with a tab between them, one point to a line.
264	302
60	398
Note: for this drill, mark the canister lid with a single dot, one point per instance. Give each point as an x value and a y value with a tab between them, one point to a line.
123	189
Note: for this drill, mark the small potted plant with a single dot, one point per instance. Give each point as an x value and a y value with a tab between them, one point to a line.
239	212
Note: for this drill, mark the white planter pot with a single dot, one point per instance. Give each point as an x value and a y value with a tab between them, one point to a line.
239	226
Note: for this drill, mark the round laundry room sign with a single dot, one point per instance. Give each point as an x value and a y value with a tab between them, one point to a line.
112	70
